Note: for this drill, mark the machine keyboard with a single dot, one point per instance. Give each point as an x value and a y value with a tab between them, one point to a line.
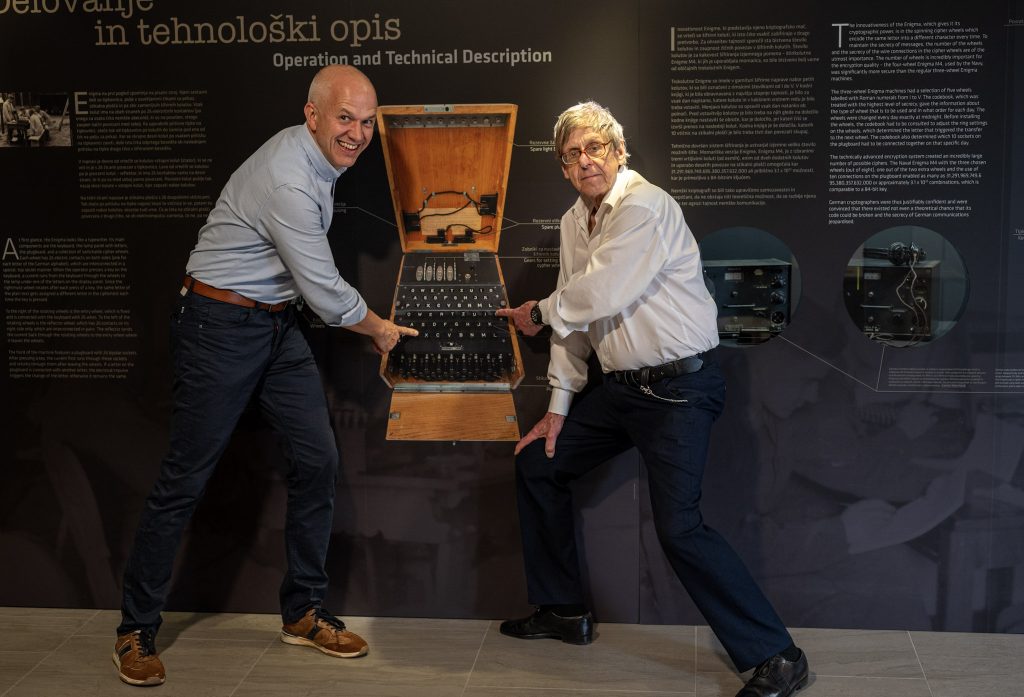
461	339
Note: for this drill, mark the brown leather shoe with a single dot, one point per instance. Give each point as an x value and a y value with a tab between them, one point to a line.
324	632
136	658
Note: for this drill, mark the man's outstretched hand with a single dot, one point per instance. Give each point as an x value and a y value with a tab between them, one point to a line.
388	335
521	318
547	428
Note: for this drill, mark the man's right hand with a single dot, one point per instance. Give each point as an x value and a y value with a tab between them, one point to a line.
388	334
547	428
384	333
521	317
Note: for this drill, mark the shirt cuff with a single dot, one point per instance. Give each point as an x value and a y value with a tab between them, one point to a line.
560	400
551	318
545	313
556	323
354	316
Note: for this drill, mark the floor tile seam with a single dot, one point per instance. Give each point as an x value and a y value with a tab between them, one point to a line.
864	677
826	675
71	636
695	660
255	663
36	608
84	622
917	655
438	620
22	678
584	690
24	675
43	658
476	658
79	630
232	639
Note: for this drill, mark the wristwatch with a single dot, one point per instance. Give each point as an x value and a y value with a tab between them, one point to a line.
535	315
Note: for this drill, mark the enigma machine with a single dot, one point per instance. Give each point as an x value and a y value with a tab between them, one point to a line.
891	294
752	297
448	169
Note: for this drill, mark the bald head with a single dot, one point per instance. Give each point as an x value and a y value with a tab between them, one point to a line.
335	77
341	113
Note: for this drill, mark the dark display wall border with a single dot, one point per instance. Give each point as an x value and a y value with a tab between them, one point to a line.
854	176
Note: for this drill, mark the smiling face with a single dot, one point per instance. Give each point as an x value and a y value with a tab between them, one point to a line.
341	114
593	177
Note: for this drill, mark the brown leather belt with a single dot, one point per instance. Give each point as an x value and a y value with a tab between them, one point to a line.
196	286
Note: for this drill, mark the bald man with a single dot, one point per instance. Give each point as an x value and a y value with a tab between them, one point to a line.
235	339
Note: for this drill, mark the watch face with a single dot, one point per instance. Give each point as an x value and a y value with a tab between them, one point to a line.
535	315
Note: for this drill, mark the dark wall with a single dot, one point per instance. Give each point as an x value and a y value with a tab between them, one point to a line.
869	480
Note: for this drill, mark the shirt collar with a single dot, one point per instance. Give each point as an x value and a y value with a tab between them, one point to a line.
610	200
323	168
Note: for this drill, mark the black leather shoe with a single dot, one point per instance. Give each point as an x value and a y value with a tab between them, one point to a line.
545	624
777	677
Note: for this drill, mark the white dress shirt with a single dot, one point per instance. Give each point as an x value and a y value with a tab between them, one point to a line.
633	289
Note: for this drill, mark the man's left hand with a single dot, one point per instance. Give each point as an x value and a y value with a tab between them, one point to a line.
547	428
521	318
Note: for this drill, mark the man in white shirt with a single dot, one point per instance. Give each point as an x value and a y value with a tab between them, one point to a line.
37	126
630	287
10	115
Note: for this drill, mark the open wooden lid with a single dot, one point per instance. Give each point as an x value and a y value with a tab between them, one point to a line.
448	172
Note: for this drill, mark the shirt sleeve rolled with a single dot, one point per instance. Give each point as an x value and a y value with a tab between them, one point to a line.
629	255
293	221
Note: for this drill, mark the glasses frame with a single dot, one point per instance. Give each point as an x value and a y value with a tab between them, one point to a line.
583	151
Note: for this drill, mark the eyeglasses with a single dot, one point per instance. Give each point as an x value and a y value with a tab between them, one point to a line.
594	151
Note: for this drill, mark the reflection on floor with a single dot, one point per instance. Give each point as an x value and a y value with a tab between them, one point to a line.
59	652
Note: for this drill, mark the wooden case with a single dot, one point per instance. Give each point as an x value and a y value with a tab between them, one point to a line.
448	168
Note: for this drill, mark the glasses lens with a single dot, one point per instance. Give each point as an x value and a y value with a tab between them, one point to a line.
571	156
596	149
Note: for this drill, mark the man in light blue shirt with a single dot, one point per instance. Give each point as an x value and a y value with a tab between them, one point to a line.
235	338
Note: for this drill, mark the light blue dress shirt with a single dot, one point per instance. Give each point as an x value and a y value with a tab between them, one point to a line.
267	236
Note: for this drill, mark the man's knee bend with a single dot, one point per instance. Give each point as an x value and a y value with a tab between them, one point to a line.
324	467
533	463
319	448
175	495
680	525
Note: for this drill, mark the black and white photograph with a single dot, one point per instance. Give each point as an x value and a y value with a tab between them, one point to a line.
33	119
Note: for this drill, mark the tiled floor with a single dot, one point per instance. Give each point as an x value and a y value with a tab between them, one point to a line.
67	653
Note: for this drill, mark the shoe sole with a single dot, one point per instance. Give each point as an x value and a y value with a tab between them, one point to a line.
575	642
153	680
303	641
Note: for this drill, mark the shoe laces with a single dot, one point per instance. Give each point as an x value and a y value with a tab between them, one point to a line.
146	642
321	615
765	669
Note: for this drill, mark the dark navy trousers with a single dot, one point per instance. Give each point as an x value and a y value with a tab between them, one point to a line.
224	356
671	431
